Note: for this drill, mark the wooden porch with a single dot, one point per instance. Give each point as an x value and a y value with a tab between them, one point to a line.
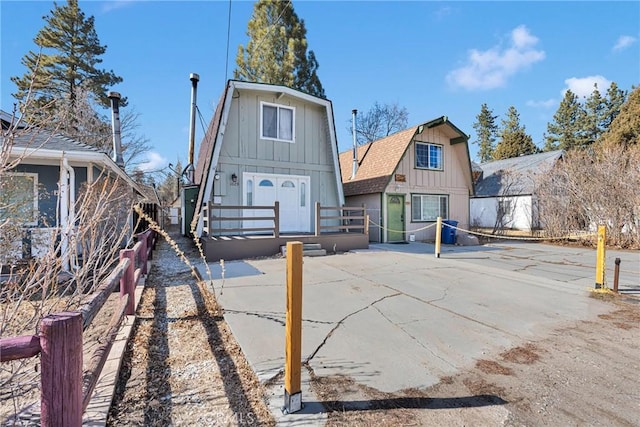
225	236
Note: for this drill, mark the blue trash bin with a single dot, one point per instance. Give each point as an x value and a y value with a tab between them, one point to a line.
449	234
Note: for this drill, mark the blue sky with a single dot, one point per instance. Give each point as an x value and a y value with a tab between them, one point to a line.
434	58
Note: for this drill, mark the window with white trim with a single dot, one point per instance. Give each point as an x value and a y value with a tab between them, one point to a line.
277	122
428	207
429	156
250	192
19	197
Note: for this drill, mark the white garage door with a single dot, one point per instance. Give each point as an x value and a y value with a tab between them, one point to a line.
292	191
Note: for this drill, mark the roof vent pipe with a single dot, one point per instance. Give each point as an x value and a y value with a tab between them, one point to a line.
192	127
115	125
355	145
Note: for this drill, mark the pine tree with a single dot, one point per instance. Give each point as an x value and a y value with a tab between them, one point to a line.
616	97
486	130
592	119
625	128
276	52
514	140
69	52
564	131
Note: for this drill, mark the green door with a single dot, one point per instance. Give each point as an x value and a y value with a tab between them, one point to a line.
189	196
395	218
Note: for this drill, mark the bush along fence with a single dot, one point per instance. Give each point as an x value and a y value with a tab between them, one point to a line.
65	389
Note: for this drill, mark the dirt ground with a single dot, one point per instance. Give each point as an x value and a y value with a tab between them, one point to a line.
583	375
183	367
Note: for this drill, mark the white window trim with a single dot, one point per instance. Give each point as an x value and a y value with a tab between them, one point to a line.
293	121
34	220
446	196
441	168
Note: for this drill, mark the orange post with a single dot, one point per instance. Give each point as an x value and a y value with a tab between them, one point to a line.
600	257
293	330
438	236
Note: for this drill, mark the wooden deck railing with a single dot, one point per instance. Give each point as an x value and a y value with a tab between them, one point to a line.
349	219
216	227
65	390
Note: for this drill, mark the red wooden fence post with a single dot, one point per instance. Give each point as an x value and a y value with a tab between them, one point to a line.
127	284
61	376
150	245
142	255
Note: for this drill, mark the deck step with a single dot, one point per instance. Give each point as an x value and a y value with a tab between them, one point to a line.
308	249
311	246
314	252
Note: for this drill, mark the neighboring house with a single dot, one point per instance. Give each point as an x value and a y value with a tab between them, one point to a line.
505	192
49	171
175	211
408	179
151	206
265	144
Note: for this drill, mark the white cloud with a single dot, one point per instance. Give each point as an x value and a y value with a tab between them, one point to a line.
542	104
623	43
584	86
443	12
111	5
491	68
153	162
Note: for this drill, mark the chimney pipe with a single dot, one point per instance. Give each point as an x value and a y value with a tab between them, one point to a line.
115	125
354	112
192	129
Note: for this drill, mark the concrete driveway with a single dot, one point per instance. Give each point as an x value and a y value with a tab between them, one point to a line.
394	317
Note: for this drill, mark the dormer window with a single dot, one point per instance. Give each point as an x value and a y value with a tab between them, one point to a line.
429	156
277	122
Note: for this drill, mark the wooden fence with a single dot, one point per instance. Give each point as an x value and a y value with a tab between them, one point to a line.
349	219
65	390
340	218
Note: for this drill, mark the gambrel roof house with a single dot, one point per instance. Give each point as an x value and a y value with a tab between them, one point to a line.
53	168
408	179
506	191
265	144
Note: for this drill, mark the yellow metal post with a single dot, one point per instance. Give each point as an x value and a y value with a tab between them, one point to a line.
293	330
438	236
600	255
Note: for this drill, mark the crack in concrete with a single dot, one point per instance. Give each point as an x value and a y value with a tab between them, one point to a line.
341	321
431	303
428	302
275	317
526	267
397	325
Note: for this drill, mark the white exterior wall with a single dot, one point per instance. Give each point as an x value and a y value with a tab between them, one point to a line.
484	212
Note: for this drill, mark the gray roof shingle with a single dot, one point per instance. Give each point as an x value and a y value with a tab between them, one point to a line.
515	176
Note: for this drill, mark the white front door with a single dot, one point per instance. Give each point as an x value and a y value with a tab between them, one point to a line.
292	193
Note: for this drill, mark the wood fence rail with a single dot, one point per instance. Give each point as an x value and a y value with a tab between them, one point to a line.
343	219
65	390
352	219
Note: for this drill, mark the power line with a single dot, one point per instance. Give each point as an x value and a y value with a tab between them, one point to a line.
201	121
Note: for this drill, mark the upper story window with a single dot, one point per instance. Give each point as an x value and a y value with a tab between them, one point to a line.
277	122
429	156
19	197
